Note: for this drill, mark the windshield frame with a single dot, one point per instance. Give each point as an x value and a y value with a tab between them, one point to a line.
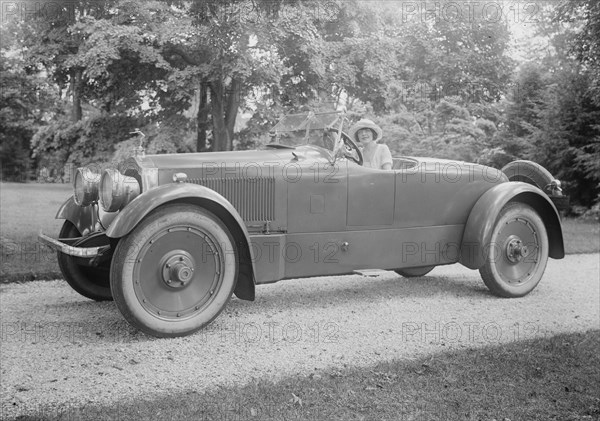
306	123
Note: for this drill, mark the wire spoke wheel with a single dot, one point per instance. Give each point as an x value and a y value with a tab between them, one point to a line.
518	252
175	272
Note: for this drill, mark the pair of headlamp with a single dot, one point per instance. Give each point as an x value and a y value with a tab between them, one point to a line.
111	189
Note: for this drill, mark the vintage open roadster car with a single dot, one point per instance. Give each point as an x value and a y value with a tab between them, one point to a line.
171	237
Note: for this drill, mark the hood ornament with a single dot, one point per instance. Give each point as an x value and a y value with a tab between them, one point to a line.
139	151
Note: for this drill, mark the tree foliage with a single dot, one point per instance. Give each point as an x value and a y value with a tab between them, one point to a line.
199	76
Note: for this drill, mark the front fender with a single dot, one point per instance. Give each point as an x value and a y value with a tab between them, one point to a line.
482	219
128	218
80	216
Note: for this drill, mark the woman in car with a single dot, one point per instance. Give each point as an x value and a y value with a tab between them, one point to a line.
375	154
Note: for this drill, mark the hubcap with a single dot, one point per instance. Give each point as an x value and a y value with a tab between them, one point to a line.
519	243
177	272
177	269
515	249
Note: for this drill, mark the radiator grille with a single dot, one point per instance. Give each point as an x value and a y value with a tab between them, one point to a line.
253	198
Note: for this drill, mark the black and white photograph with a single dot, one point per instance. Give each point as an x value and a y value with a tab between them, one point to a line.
300	210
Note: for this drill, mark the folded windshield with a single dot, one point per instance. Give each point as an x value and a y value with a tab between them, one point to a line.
307	128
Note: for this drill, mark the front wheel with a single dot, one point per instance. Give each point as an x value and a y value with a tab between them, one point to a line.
518	252
89	281
175	272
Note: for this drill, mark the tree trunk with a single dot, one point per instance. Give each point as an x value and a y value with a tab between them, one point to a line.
220	135
76	95
233	105
202	118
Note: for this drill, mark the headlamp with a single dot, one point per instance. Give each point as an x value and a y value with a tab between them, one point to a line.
116	190
85	186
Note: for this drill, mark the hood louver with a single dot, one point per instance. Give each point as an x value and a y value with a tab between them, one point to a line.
253	198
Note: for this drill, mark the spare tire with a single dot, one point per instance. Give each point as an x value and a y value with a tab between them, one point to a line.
529	172
532	173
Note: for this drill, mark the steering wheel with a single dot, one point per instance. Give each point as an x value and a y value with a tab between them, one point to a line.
351	149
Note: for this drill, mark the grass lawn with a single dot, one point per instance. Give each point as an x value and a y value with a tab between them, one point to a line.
581	236
25	209
553	378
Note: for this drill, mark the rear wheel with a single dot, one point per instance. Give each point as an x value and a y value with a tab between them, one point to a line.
518	252
175	272
91	282
414	272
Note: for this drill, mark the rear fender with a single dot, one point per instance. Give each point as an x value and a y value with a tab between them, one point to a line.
482	219
130	216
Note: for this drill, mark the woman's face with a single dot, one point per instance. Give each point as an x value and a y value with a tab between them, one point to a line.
365	136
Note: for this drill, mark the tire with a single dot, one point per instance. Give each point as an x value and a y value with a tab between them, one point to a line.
414	272
91	282
518	253
175	272
528	172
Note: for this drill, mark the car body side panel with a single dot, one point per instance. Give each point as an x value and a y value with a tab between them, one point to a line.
320	254
267	251
481	222
440	192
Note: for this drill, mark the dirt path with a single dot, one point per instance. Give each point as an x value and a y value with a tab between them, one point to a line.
59	349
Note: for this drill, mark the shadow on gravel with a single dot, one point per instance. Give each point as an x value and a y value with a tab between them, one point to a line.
538	379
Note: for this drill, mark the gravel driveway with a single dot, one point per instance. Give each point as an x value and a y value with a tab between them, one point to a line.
59	349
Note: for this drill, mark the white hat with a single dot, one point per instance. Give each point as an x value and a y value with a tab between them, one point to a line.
366	124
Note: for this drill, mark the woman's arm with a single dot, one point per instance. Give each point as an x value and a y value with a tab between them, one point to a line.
386	157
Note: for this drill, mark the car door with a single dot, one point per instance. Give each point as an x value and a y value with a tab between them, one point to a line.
371	196
317	197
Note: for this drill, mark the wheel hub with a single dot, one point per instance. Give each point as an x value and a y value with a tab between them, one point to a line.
515	249
177	269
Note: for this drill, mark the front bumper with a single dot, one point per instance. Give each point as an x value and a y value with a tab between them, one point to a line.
86	252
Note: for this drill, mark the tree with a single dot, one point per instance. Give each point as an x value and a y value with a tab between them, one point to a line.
224	48
26	101
108	63
586	45
551	118
17	122
49	43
